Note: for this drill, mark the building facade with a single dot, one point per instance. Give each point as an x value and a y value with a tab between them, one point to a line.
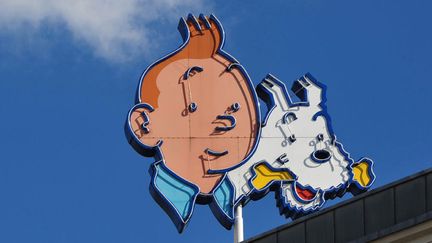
398	212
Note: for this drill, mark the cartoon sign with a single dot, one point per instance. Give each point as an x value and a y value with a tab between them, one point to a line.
198	115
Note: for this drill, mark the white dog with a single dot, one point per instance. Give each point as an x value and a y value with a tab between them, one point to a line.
298	154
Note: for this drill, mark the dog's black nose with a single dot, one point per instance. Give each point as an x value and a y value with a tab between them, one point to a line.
321	156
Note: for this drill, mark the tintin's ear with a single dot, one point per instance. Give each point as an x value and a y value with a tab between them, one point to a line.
138	130
204	35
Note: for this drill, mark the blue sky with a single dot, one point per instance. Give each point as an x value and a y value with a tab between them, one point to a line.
68	78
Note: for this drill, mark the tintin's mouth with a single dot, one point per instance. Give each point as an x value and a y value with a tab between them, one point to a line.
215	153
305	193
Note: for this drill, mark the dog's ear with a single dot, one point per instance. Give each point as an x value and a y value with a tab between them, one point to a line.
309	90
363	177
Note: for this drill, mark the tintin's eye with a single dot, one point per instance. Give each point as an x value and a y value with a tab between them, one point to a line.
235	107
192	107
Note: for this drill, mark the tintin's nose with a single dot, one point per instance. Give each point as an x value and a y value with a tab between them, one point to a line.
229	118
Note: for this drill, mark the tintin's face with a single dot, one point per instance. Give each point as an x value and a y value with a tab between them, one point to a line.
204	111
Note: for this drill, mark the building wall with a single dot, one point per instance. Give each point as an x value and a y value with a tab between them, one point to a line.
420	233
401	209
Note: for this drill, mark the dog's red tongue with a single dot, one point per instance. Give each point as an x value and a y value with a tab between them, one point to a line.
305	194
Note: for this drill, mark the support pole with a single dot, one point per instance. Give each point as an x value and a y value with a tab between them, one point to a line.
238	224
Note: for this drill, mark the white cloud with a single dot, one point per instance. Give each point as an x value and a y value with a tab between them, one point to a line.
115	29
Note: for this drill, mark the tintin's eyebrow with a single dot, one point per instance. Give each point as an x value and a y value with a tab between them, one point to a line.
194	68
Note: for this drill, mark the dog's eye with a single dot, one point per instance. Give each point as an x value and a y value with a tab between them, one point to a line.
289	117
